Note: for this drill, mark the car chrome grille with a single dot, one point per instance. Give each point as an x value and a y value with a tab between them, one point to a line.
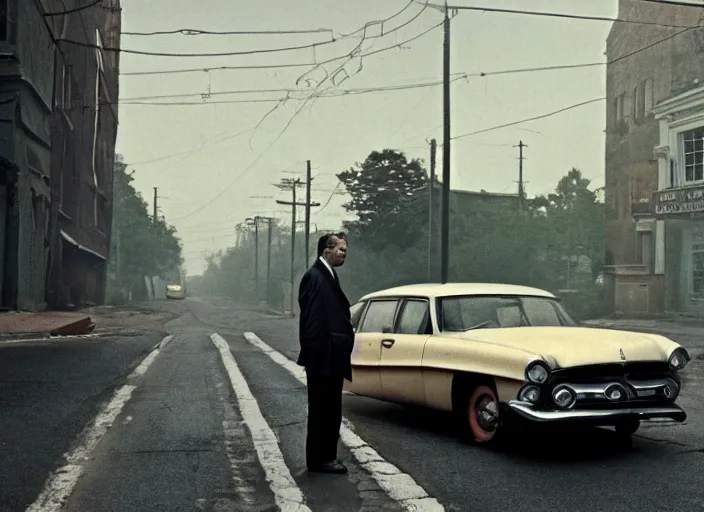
644	384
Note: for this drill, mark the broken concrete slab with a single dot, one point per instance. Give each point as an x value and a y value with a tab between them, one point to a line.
52	323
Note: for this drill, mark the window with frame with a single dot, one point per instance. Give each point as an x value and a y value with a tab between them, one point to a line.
693	146
462	313
380	315
356	311
414	318
642	100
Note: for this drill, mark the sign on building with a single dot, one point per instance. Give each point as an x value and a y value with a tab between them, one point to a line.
679	201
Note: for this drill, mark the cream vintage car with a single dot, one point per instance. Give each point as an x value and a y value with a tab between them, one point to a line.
492	352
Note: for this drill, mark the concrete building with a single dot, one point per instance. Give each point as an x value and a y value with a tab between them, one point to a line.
655	159
26	103
84	131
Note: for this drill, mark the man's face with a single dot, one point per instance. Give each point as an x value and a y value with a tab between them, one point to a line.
337	253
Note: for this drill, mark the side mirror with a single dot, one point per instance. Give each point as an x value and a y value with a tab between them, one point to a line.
387	330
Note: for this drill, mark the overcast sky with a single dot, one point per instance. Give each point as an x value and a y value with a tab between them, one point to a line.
213	179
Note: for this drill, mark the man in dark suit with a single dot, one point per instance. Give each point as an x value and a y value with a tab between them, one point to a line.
327	339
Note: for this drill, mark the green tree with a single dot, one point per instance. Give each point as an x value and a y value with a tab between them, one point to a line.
140	246
575	219
389	196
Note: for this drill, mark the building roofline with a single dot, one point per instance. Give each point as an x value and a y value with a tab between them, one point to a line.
686	100
482	193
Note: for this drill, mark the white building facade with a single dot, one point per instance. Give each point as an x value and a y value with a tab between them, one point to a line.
678	221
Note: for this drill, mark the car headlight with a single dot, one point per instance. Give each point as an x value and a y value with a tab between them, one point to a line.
529	394
563	397
671	391
679	359
537	372
615	393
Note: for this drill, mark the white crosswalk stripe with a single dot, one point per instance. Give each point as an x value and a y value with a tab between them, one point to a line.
287	494
398	485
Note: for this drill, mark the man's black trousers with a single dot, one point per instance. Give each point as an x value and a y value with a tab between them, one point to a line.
324	418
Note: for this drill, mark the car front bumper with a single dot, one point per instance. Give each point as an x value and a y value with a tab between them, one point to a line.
596	416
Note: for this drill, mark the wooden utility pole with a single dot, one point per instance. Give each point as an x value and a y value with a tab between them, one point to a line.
431	186
268	259
446	155
255	222
156	198
309	179
287	184
521	189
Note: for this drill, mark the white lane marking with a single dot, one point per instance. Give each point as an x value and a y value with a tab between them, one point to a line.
398	485
61	483
287	494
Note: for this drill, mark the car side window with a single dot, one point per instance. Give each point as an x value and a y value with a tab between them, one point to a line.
356	311
380	314
415	318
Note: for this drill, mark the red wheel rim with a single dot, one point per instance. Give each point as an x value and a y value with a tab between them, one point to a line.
483	413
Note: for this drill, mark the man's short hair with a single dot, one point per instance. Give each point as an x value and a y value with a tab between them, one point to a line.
327	241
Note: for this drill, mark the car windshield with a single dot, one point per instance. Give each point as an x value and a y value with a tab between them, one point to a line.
464	313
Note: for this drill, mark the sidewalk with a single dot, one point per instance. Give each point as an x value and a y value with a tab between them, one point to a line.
96	321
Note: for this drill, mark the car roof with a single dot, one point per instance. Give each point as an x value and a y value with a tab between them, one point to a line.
433	290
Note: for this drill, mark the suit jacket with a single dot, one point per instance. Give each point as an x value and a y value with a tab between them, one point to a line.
325	330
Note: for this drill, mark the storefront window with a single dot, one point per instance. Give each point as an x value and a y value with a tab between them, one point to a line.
694	154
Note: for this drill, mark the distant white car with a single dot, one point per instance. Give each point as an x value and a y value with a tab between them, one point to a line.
175	291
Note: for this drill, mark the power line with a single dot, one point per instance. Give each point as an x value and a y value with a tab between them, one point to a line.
246	170
190	31
215	141
282	66
385	20
410	86
219	68
342	92
218	54
542	68
198	32
560	15
481	74
329	199
247	52
194	104
542	116
71	11
630	54
672	2
216	93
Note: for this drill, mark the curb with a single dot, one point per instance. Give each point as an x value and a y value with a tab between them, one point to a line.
48	338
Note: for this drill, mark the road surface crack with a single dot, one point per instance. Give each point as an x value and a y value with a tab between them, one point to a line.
289	424
663	441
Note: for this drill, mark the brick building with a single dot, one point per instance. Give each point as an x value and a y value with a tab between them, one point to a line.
55	141
654	159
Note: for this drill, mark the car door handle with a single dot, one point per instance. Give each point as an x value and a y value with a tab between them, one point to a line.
388	343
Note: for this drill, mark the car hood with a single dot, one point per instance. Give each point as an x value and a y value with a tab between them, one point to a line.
577	346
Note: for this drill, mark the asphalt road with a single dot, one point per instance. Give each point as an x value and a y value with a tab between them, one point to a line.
217	423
